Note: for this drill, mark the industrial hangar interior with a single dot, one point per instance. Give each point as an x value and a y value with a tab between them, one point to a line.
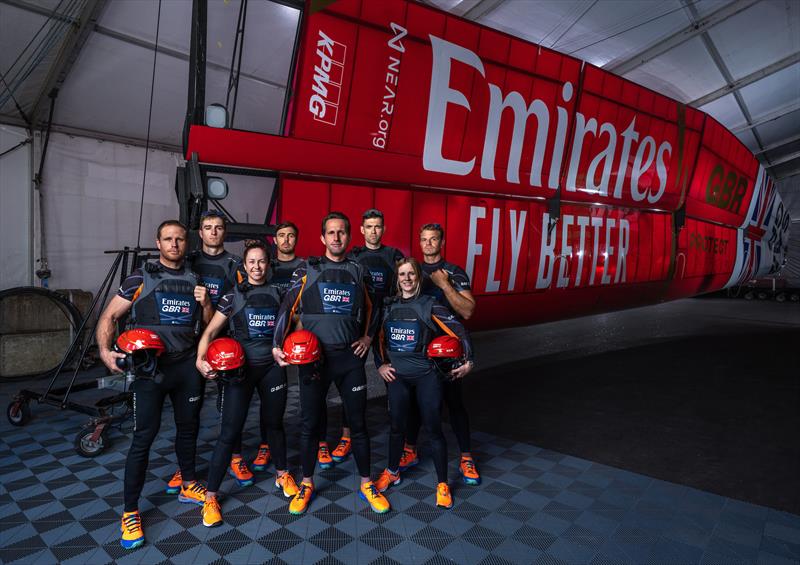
618	182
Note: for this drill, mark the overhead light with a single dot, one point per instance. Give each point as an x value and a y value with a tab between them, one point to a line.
216	188
216	116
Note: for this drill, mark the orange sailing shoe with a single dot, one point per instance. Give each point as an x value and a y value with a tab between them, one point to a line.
193	493
387	479
342	450
212	514
468	471
324	456
262	458
174	484
408	459
376	500
240	472
443	496
286	483
302	499
131	528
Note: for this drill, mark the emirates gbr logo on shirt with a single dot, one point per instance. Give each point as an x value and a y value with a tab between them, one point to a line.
403	336
337	298
213	286
260	321
378	278
174	308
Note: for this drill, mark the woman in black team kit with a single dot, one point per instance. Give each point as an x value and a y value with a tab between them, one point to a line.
410	322
249	310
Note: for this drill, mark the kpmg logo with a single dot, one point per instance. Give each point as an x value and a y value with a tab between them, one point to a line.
327	81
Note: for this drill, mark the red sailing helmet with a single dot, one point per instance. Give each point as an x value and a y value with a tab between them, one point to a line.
301	347
225	354
138	339
446	353
445	347
141	347
226	357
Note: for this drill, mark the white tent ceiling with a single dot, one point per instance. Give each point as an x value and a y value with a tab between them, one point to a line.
738	60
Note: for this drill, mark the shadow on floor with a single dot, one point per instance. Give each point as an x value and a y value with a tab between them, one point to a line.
718	413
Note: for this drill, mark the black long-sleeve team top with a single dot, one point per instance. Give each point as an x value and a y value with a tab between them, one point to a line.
294	302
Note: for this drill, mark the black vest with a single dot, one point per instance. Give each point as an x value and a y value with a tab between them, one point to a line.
381	266
281	272
408	328
252	320
217	274
167	306
333	301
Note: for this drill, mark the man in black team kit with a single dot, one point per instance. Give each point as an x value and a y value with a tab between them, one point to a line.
380	261
331	295
282	267
449	284
218	271
166	298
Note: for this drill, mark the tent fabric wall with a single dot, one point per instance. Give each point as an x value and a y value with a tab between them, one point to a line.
92	190
16	256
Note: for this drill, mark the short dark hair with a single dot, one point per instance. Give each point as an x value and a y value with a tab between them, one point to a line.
166	223
336	216
213	214
255	245
280	226
372	214
433	227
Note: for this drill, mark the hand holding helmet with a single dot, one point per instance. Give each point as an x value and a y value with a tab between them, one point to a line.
447	354
225	359
139	350
301	348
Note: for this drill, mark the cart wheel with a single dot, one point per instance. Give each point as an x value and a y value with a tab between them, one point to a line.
18	413
88	448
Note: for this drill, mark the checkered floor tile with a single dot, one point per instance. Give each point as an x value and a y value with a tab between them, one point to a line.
534	506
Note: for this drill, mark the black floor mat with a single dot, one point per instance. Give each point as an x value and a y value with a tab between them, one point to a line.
719	413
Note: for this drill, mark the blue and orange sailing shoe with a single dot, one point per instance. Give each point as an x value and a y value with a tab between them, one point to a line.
193	493
469	473
408	458
387	479
443	497
286	483
324	456
212	513
131	528
239	471
262	458
302	499
342	450
372	495
174	484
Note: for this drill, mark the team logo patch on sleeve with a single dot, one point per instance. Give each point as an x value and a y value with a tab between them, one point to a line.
175	309
403	336
260	322
337	298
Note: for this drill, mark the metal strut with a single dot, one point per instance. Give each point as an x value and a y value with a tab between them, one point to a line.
236	58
